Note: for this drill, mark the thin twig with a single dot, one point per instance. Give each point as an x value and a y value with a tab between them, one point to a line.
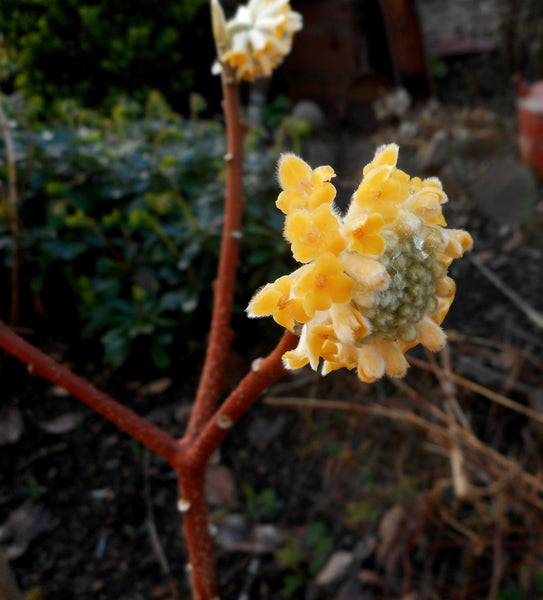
9	590
252	571
23	181
465	437
151	528
457	336
530	312
455	455
362	409
125	419
513	375
465	531
13	202
483	391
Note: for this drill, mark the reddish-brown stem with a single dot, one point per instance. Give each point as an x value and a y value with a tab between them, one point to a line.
198	539
195	454
44	366
220	336
206	428
263	373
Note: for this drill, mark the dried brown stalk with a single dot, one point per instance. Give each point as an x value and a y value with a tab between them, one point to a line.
530	312
527	485
457	336
480	389
152	531
13	216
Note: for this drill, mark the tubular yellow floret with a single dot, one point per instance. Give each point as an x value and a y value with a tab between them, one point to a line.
374	283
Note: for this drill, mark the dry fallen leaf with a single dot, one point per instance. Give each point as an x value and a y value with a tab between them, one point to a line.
11	424
158	386
391	532
9	589
62	424
353	589
335	568
59	391
23	525
182	412
371	578
263	430
159	592
220	487
233	533
267	539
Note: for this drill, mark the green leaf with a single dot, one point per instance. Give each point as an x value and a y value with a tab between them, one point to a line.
292	583
185	300
290	555
361	513
116	346
160	357
189	253
141	328
63	249
165	338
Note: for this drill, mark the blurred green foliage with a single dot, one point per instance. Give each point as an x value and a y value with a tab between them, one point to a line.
96	50
260	505
275	111
306	551
121	221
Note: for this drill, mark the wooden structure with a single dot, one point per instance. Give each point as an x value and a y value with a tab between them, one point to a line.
352	51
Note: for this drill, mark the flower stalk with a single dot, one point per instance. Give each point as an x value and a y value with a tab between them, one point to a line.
221	336
192	505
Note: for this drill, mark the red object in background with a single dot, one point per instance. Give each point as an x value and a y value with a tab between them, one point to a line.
530	116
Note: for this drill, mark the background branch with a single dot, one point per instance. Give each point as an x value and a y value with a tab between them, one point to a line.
40	364
12	215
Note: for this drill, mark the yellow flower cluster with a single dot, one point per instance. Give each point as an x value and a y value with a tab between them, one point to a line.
256	40
373	283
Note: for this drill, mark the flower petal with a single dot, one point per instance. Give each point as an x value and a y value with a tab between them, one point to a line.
384	155
322	194
430	334
395	363
371	365
264	302
291	171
